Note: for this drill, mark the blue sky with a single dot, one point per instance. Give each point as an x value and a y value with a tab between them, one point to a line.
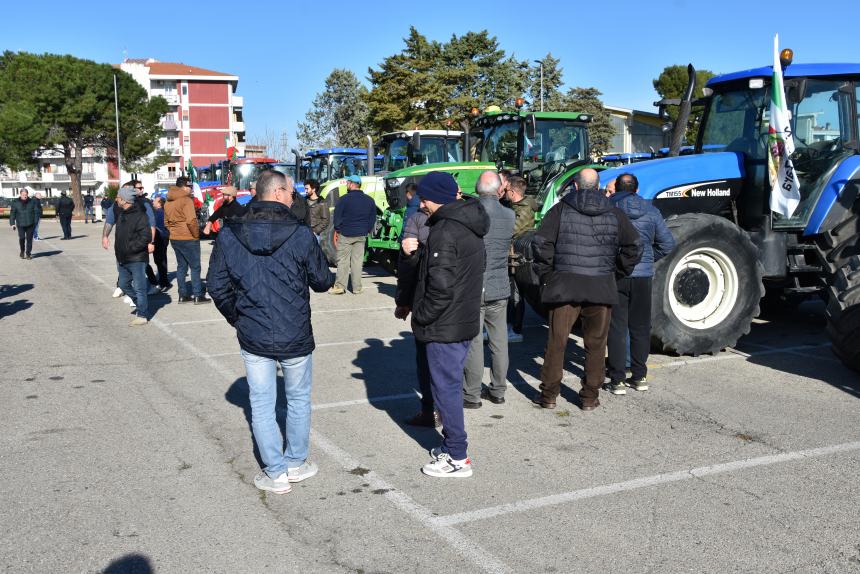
283	51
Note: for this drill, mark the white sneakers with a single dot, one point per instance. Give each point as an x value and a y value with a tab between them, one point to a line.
281	483
117	293
443	466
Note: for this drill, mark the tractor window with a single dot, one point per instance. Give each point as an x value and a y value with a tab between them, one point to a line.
438	150
396	155
500	143
821	126
734	123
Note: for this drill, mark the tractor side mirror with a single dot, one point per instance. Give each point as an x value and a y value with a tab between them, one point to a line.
416	142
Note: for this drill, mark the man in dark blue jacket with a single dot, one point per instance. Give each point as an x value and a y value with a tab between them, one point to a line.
632	313
582	244
259	274
354	217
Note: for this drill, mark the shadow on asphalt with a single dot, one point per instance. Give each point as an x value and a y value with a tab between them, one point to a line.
8	308
237	395
391	370
130	564
39	254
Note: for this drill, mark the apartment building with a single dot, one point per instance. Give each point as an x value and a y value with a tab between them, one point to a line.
204	119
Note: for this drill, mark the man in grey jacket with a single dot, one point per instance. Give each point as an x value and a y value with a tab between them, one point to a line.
494	300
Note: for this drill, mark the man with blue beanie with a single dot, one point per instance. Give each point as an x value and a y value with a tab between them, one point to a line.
444	296
354	217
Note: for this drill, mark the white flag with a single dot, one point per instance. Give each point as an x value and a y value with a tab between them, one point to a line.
785	187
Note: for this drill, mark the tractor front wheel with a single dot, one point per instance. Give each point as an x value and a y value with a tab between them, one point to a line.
706	292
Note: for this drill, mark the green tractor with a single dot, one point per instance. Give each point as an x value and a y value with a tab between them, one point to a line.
547	148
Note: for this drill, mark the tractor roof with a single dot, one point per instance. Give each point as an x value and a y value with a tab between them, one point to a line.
337	150
408	133
792	71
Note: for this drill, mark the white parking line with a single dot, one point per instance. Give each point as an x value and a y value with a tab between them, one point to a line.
457	540
369	401
637	483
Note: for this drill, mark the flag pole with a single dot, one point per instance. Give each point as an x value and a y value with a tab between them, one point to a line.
118	150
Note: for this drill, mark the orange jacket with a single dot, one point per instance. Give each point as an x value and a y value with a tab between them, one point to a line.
179	215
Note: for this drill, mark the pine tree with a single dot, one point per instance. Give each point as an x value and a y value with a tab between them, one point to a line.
338	115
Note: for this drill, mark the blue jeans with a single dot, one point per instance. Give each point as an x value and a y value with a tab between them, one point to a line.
187	257
262	381
132	281
445	362
36	229
89	213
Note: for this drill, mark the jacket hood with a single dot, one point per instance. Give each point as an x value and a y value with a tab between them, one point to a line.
630	203
588	202
266	226
174	193
468	212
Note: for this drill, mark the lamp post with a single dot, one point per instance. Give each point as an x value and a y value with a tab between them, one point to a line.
541	82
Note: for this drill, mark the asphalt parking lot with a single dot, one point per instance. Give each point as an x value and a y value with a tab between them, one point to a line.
129	450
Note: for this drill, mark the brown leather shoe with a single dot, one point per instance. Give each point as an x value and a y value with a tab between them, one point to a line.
539	401
590	406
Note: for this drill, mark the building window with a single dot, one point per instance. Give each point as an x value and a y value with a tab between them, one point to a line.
171	141
48	192
168	88
14	192
184	90
184	117
46	168
171	171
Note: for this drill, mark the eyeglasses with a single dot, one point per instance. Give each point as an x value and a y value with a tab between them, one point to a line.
139	188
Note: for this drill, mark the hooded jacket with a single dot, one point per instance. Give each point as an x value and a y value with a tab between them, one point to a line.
582	244
259	274
657	240
180	216
132	234
445	289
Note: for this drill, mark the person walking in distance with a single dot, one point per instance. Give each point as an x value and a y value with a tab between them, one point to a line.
446	308
260	273
132	246
22	217
354	217
632	314
89	207
524	209
38	197
65	210
494	300
180	218
582	244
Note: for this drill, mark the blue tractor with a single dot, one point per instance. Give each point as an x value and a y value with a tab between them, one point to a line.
733	252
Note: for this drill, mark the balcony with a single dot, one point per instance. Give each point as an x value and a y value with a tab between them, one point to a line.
9	177
170	124
33	177
237	101
172	99
173	150
165	176
88	176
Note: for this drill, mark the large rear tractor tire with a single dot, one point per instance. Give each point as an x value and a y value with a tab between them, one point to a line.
843	313
706	292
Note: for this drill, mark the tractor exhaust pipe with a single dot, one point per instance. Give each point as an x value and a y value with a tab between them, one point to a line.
680	128
370	156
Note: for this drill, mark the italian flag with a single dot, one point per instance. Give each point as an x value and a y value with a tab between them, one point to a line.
785	187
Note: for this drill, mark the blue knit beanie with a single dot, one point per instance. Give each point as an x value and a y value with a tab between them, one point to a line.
438	187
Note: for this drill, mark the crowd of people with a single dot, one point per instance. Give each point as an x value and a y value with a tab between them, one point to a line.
26	213
593	257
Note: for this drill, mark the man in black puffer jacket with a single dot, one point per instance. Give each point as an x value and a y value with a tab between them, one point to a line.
444	296
132	246
259	274
65	210
583	243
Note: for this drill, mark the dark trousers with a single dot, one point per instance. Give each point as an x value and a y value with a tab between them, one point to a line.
160	258
595	329
633	314
187	258
516	308
66	224
25	238
445	363
424	384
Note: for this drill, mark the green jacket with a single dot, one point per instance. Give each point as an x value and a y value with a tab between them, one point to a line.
525	210
23	213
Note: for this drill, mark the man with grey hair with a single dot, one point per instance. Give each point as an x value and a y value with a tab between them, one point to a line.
494	300
582	245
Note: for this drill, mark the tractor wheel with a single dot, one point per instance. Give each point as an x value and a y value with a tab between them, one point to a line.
706	292
328	242
843	313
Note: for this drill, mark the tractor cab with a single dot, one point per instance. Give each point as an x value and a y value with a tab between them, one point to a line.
539	145
325	165
822	101
241	172
400	150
